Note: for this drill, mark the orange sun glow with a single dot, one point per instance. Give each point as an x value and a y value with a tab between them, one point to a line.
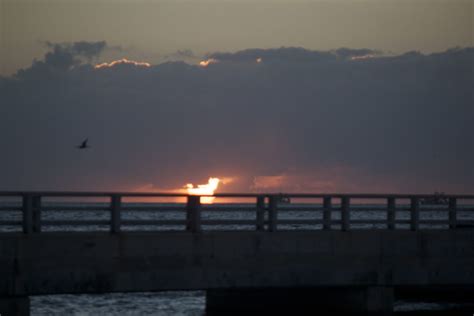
205	63
204	189
122	61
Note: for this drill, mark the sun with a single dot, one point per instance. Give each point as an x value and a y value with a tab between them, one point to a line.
204	189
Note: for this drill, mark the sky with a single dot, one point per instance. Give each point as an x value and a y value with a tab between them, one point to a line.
155	29
304	96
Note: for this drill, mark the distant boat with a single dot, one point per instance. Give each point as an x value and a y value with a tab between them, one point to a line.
437	199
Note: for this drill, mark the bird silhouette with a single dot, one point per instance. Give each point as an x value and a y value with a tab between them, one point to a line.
83	145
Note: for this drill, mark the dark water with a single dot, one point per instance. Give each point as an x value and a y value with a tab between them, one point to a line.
189	303
193	302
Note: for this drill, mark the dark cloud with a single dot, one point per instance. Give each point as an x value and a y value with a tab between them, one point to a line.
348	53
63	57
88	49
284	54
291	54
60	58
81	48
317	119
182	54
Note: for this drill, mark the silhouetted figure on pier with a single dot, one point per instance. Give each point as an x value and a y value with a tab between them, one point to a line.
84	144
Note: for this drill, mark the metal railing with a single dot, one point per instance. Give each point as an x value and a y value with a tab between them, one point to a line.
264	212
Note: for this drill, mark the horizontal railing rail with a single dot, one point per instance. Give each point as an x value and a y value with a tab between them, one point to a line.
35	212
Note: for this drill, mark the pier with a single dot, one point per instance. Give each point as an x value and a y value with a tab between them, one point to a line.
252	253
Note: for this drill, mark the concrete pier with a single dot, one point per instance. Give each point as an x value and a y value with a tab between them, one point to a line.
331	264
15	306
358	267
373	300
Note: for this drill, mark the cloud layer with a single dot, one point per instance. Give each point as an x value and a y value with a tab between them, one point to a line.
320	120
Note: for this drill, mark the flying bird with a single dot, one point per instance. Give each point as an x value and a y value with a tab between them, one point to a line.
83	145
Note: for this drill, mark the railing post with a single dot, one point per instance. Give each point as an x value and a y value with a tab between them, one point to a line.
272	213
36	207
327	205
27	214
260	213
415	214
193	214
452	213
345	216
115	206
391	213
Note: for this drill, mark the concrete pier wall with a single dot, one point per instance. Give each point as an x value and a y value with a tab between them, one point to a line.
15	306
49	263
300	301
102	262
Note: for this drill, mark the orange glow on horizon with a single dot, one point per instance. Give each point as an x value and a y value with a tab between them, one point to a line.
205	63
204	189
122	61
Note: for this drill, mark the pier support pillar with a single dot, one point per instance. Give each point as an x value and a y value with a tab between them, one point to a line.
15	306
301	301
